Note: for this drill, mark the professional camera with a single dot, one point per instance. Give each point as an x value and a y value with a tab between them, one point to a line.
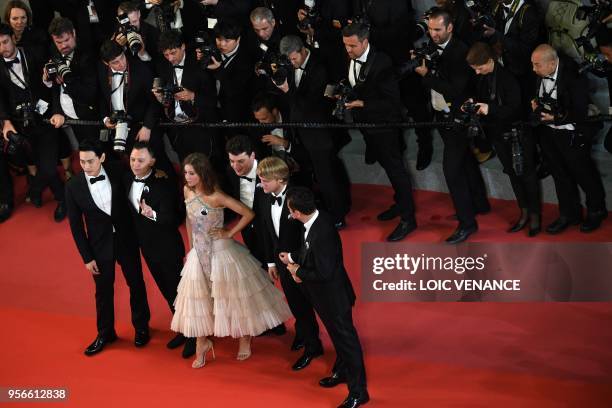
58	68
596	64
480	13
26	111
276	66
165	14
311	15
469	117
428	52
344	93
207	46
134	41
121	121
16	145
167	90
422	26
545	104
518	159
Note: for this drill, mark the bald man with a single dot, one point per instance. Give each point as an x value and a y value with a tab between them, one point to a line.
560	103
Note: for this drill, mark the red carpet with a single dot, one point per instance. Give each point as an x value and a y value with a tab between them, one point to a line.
417	354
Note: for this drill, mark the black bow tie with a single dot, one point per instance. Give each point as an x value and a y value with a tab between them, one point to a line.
118	73
94	180
137	180
11	62
356	61
249	179
178	66
277	200
549	78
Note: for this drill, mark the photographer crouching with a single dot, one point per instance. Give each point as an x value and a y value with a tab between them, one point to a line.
24	102
560	104
498	105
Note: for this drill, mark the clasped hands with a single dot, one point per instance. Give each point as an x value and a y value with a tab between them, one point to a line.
291	266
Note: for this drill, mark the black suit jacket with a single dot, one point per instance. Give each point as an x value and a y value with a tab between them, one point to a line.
140	103
159	239
452	76
92	228
236	81
83	89
377	88
197	80
8	96
322	268
505	106
285	14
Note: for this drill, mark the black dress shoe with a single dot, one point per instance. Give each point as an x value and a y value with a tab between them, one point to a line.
275	331
461	234
520	224
560	224
60	212
354	402
141	338
177	341
388	214
424	156
593	221
98	344
35	198
297	344
5	211
340	225
189	348
403	228
534	230
305	360
332	381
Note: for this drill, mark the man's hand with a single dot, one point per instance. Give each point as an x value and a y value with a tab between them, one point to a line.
357	103
93	267
157	94
8	127
272	140
109	124
273	272
214	64
301	14
57	120
488	31
155	2
284	257
284	87
422	69
185	95
293	268
121	39
547	117
144	134
209	2
483	109
534	105
146	209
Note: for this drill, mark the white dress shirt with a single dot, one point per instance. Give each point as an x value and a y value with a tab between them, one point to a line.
247	188
179	115
276	211
438	102
101	192
136	194
307	226
513	11
550	86
65	100
118	86
355	69
16	71
300	71
280	133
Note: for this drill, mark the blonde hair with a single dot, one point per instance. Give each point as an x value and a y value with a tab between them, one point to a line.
273	168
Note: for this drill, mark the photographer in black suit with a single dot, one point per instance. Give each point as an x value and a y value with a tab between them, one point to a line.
104	234
263	42
147	33
24	103
282	234
76	88
187	95
448	83
318	269
498	103
125	85
377	99
560	104
285	14
303	91
154	204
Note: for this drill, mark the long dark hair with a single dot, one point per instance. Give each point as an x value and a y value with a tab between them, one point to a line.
202	167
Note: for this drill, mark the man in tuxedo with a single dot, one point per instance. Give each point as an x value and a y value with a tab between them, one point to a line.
561	101
376	99
194	101
154	200
285	14
23	96
263	42
318	269
448	84
125	87
104	234
282	234
149	34
303	92
236	11
184	15
76	92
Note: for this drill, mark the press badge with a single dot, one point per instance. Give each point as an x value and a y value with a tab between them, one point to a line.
211	23
41	107
93	14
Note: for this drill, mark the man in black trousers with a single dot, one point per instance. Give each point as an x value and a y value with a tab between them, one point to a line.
154	200
303	91
318	268
282	234
561	102
377	99
104	234
448	84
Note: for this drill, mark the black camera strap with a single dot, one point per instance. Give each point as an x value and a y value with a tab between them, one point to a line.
26	74
125	80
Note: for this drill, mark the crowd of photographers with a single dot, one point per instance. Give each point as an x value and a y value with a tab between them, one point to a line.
483	70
